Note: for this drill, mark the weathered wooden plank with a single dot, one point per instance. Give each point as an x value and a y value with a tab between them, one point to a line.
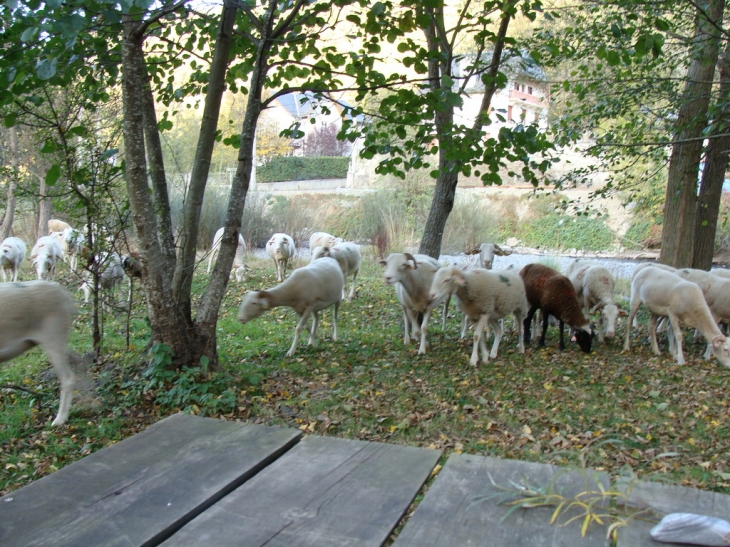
324	492
664	499
142	489
464	507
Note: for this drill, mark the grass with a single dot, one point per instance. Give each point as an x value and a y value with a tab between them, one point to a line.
610	410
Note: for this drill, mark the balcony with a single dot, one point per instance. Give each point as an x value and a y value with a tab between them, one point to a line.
520	96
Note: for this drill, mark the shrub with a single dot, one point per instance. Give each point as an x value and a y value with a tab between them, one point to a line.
470	224
286	168
557	231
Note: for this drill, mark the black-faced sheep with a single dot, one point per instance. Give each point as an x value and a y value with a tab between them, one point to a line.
348	257
411	276
281	249
553	294
308	290
484	297
12	254
666	294
39	313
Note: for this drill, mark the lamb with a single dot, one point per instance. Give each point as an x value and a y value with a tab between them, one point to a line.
280	248
487	252
666	294
594	285
412	276
485	297
554	294
348	257
55	225
112	273
322	239
12	254
45	255
39	313
239	269
308	290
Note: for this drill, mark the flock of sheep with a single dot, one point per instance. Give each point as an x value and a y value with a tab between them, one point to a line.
685	297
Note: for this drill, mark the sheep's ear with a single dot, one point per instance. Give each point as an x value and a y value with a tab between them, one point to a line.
718	341
459	278
264	296
598	307
622	312
410	257
383	263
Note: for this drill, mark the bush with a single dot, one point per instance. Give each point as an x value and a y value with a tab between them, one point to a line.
557	231
469	225
287	168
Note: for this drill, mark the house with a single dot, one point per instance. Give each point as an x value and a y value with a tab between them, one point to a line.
524	100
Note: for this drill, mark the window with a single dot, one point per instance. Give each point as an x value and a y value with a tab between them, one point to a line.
509	113
529	90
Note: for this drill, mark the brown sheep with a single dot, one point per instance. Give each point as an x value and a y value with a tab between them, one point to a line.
553	293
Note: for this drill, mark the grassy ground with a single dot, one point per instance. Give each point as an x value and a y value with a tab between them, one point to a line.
624	413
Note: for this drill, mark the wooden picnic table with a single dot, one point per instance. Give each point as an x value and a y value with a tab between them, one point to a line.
199	481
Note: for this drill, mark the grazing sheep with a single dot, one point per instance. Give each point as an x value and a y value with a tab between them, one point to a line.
45	255
485	297
281	248
71	242
487	252
39	313
12	254
322	239
594	286
411	276
721	272
348	257
308	290
554	294
239	269
55	225
666	294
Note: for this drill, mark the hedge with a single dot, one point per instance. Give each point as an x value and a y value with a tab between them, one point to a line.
286	168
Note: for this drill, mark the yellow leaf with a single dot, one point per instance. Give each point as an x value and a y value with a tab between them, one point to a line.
526	430
548	386
691	441
436	469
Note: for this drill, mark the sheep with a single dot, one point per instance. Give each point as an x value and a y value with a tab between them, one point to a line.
12	254
280	248
322	239
594	285
71	242
239	269
308	290
666	294
411	276
55	225
39	313
485	297
45	255
554	294
348	257
112	273
487	252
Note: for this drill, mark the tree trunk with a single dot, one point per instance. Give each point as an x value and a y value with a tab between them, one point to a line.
44	210
182	283
448	178
713	175
6	224
681	196
166	323
208	312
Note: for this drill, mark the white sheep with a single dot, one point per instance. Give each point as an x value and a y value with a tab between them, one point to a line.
666	294
487	252
594	286
280	248
411	276
45	255
239	269
39	313
348	257
485	297
308	290
112	273
71	242
322	239
55	225
12	254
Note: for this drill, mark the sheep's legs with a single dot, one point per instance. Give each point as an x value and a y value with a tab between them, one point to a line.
424	328
58	355
676	328
498	331
631	320
446	310
302	323
479	342
334	321
652	334
352	288
545	327
527	325
313	330
520	328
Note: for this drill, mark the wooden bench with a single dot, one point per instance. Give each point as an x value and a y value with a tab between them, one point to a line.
198	481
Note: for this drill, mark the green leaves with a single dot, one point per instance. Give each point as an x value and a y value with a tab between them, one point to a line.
53	174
